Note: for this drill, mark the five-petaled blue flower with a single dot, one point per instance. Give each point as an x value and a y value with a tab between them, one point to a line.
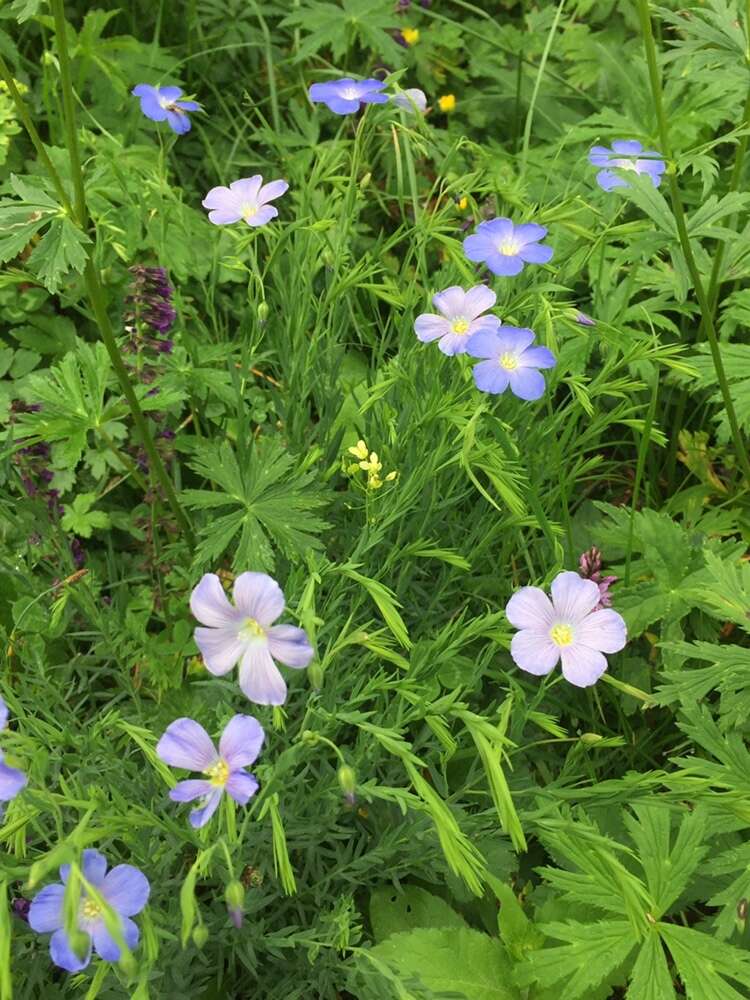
343	97
186	743
626	154
165	104
511	361
505	248
125	889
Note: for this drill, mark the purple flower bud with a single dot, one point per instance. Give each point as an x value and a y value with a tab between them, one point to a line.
590	568
583	319
21	907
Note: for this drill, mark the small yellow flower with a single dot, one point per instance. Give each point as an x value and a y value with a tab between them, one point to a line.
410	35
463	204
359	450
447	102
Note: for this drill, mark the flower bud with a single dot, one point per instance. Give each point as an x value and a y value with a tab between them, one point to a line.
200	935
590	738
235	897
263	313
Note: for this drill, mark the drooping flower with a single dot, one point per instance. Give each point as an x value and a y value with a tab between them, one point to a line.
245	199
447	102
125	889
246	633
566	628
186	743
590	568
461	317
345	96
505	248
511	361
412	99
166	104
12	781
625	155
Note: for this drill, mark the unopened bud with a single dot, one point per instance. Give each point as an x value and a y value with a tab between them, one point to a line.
348	782
263	313
365	182
590	738
200	935
235	898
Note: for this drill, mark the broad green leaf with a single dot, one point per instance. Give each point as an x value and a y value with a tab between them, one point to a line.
396	910
454	960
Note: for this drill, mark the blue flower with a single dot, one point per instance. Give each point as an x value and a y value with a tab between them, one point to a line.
125	889
511	361
164	104
626	154
505	248
343	97
461	317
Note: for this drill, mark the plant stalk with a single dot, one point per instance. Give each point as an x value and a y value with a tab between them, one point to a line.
679	216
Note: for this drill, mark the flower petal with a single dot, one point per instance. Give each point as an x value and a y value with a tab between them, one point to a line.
490	377
582	666
608	180
93	866
263	215
260	679
152	109
478	299
534	651
169	93
126	889
247	188
453	343
530	608
451	302
11	782
627	147
484	344
274	189
503	264
242	786
430	327
290	646
514	339
535	253
210	604
46	910
537	357
3	714
529	232
224	217
343	105
199	817
527	383
186	743
603	630
497	230
178	121
190	790
105	945
479	247
241	741
220	648
258	596
573	597
63	955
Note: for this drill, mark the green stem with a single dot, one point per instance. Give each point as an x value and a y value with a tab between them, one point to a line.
91	277
129	466
537	84
679	216
642	452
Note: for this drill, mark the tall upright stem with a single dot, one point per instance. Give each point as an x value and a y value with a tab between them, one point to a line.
679	216
93	285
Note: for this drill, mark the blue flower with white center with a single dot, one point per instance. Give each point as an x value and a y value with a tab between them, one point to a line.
345	96
625	155
187	744
165	104
511	361
505	248
125	889
461	316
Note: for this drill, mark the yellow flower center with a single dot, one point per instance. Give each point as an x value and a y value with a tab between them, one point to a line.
218	773
251	630
248	211
460	326
561	635
509	362
509	248
90	909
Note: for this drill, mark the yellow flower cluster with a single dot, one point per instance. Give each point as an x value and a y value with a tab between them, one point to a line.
369	462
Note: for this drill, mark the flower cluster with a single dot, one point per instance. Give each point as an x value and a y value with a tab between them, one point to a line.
149	312
368	461
462	327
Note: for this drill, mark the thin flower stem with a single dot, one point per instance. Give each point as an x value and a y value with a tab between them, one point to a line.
642	452
537	85
91	277
679	217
